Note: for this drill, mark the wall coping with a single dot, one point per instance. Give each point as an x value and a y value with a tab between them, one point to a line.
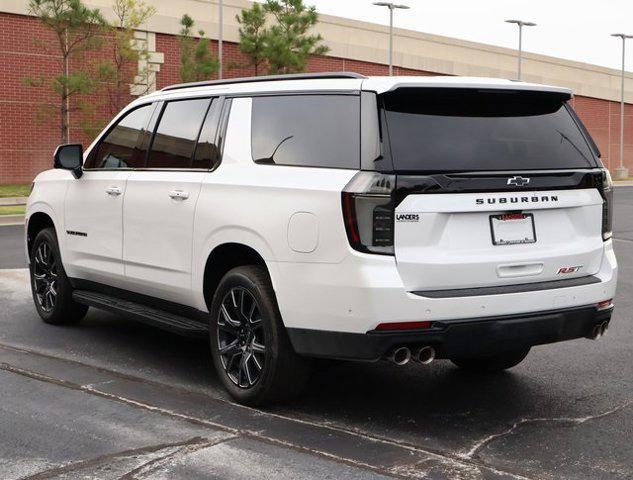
363	41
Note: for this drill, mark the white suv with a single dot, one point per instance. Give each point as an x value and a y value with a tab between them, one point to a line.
334	216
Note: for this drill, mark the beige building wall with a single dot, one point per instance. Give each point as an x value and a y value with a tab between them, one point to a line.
368	42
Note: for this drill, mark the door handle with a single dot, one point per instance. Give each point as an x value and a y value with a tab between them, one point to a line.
114	191
179	195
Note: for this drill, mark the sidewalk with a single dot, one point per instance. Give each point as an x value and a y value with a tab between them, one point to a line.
6	220
623	183
9	201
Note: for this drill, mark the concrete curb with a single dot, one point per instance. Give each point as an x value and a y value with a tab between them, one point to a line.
6	220
623	183
7	201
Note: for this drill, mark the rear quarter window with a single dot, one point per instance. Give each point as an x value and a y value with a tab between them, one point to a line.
307	130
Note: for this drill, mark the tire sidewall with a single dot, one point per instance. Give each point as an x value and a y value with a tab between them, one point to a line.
271	319
64	292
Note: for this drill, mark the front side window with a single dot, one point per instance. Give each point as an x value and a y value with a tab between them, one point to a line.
121	147
307	130
175	138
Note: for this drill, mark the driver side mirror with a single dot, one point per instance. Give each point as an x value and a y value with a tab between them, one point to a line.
70	157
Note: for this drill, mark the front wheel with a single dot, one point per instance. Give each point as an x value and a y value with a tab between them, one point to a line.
494	363
52	291
251	350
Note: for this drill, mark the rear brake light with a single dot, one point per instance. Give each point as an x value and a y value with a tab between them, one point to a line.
607	205
604	304
368	211
403	326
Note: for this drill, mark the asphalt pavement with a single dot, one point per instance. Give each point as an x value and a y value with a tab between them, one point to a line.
111	398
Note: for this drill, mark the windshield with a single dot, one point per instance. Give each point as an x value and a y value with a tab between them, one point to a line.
449	130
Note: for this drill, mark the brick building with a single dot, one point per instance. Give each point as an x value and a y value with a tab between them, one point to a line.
27	138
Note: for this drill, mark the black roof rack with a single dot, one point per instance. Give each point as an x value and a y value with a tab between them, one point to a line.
266	78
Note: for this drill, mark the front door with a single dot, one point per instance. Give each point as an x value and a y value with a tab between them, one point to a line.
93	208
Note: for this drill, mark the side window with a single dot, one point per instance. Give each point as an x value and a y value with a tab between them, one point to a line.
207	154
175	138
307	130
120	148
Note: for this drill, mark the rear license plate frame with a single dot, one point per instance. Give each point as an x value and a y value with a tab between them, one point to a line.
528	218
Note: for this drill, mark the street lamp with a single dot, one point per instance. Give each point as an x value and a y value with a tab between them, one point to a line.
220	39
391	7
622	171
521	24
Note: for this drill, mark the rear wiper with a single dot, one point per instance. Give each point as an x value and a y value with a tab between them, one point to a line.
271	159
565	137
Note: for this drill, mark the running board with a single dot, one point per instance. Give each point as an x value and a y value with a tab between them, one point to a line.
142	313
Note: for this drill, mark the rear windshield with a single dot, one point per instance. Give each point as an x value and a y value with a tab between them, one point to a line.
449	130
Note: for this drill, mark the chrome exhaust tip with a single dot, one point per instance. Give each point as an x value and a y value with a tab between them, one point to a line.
596	332
603	328
425	355
399	356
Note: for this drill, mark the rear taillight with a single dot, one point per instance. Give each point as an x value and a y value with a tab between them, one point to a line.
368	211
607	205
605	304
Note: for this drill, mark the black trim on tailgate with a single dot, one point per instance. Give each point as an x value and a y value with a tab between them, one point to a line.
505	289
471	182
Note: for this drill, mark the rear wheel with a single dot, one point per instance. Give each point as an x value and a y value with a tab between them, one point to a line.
52	291
251	350
494	363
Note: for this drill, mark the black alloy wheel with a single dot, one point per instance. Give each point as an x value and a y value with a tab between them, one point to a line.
52	290
241	340
45	276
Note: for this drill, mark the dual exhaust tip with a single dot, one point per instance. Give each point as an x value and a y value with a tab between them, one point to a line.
402	355
598	331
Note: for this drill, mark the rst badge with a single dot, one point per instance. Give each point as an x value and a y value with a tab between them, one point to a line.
566	270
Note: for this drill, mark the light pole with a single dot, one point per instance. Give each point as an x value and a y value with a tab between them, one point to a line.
622	171
391	7
521	24
220	39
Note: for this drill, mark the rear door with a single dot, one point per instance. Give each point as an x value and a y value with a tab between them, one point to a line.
494	188
161	200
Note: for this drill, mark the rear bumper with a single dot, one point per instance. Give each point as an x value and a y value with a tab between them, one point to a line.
458	338
363	291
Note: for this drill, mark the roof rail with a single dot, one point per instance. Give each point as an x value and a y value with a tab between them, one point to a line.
266	78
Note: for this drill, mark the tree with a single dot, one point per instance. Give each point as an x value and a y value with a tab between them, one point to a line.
196	60
125	51
288	44
253	35
77	30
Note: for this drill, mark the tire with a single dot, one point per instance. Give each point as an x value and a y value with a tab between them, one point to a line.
494	363
51	289
251	351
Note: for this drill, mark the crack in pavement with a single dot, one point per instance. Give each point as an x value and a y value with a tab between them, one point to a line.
70	467
155	464
448	459
474	450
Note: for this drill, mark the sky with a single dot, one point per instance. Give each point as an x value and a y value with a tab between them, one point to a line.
576	30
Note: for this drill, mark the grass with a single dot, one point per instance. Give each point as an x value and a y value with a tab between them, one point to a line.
12	210
15	190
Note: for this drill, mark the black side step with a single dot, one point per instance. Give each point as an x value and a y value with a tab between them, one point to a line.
142	313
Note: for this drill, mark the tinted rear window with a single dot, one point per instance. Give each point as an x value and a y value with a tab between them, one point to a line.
307	130
449	130
177	132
